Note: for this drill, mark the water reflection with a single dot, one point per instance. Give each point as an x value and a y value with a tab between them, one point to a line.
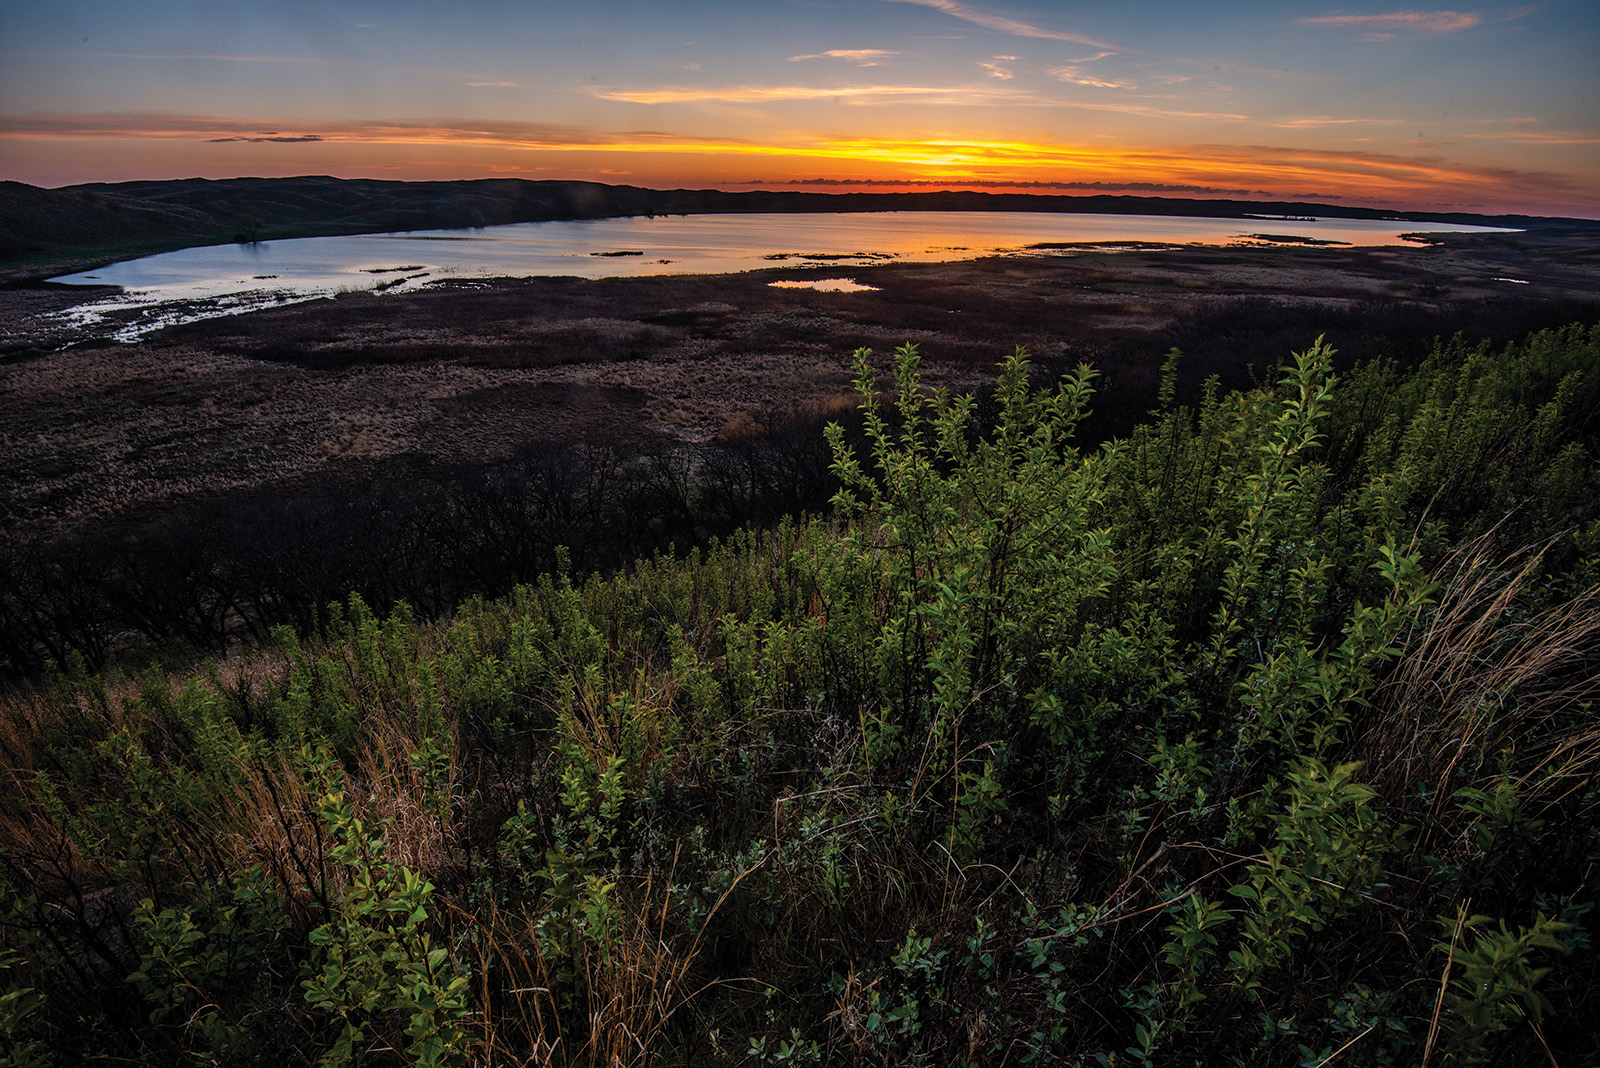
224	279
825	285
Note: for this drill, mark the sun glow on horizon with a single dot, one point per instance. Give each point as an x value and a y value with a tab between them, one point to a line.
1452	111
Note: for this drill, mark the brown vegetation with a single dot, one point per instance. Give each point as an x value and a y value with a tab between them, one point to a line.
457	372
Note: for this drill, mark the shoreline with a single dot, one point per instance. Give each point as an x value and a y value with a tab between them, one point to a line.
146	317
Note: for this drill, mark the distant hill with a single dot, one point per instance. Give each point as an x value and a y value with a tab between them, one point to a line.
100	220
34	220
106	221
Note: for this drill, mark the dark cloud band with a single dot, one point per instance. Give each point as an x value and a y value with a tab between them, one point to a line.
265	140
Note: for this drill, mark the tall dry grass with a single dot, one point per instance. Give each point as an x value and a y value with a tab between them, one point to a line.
1489	687
631	989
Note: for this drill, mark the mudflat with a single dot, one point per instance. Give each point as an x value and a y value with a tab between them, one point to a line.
93	431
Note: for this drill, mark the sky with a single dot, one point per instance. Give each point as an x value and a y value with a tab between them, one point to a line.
1480	108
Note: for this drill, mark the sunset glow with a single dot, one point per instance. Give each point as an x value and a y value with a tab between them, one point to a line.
1487	109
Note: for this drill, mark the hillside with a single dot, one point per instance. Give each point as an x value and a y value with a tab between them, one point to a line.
1261	735
90	220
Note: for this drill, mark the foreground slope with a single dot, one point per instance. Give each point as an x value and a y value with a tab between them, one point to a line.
1260	736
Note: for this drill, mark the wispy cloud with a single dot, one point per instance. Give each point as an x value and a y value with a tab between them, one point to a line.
495	85
219	57
991	20
1124	107
996	71
1374	173
1393	24
980	95
1538	137
866	57
1077	76
267	139
755	94
1313	121
215	129
1263	169
1275	170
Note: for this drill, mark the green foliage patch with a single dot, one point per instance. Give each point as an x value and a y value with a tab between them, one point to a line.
1262	736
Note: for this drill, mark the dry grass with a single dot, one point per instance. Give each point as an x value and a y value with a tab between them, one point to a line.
631	988
637	987
519	1023
267	816
1483	682
418	829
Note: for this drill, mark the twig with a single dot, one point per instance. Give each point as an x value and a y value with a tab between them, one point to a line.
1444	981
1329	1058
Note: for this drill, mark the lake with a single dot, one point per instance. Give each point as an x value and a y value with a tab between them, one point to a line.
195	283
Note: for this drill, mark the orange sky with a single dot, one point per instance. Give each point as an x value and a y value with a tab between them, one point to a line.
1491	109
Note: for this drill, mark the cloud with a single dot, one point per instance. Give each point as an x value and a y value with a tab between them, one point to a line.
210	56
866	57
1276	171
986	183
981	95
213	129
749	94
1078	77
495	85
1312	121
1216	169
264	139
1388	176
990	20
996	71
1539	137
1387	27
1148	111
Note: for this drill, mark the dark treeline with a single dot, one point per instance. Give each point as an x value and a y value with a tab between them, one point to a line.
233	568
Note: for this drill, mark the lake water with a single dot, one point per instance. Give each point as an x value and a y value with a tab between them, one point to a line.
224	279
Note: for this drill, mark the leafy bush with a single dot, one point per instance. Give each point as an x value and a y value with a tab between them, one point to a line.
1159	751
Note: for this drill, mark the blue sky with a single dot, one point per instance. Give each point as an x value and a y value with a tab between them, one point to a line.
1493	108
